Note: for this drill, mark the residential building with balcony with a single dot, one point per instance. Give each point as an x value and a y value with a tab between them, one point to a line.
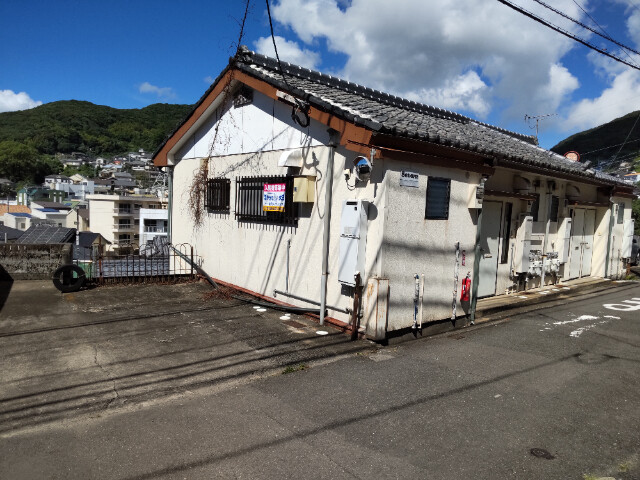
117	217
153	223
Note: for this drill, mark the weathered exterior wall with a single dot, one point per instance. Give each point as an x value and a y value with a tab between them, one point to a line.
413	244
254	255
32	262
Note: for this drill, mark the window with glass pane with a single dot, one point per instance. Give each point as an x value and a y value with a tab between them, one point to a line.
438	192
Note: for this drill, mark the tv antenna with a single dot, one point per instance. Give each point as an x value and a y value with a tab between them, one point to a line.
537	118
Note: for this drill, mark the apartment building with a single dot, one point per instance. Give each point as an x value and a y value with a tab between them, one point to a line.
117	217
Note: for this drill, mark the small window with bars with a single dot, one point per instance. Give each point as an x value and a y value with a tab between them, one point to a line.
438	192
218	195
266	199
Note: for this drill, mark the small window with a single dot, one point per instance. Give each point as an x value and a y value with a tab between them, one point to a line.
438	192
535	207
218	195
553	208
621	213
277	189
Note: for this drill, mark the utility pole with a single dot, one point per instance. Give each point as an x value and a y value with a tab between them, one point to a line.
537	119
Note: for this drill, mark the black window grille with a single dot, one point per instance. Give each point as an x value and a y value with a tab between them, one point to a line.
249	195
438	192
218	195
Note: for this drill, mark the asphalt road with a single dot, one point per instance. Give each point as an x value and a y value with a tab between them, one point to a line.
552	394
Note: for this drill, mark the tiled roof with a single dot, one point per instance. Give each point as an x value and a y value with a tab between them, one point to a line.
47	234
11	233
388	114
4	208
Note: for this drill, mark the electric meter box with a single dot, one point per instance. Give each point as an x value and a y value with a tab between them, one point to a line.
627	238
523	244
353	241
304	189
564	240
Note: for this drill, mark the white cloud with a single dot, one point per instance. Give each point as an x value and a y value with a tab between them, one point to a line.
288	51
209	79
161	92
455	53
622	97
11	101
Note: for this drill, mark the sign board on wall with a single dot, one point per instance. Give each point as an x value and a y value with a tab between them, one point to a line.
408	179
273	197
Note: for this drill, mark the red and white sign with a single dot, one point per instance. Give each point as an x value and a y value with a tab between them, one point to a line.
273	197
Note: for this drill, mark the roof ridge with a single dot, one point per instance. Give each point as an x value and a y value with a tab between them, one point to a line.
247	56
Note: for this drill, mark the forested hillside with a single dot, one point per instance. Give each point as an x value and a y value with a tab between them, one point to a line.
29	139
75	126
605	146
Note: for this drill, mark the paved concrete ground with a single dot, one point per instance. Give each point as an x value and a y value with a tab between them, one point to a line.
103	348
469	404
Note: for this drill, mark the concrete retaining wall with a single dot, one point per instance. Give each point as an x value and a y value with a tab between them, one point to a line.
32	262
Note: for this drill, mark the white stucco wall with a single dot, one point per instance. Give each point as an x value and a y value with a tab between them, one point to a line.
413	244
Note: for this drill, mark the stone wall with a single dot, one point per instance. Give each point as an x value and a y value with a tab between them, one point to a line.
32	262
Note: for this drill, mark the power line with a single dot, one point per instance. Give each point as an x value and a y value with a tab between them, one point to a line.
624	48
566	34
608	147
299	105
628	135
604	35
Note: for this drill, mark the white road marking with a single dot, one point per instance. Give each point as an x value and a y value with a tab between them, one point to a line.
579	319
626	305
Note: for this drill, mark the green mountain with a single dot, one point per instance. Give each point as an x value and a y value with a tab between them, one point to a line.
608	145
77	126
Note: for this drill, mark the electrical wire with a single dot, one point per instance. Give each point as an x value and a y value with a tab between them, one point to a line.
607	147
604	35
566	33
300	107
628	135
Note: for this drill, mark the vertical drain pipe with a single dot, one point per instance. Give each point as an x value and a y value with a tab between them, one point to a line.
333	143
609	243
476	269
170	204
287	279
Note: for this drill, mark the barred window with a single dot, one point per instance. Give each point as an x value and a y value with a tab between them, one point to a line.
438	191
266	199
218	195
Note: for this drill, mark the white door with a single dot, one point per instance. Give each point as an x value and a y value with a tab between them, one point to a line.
489	248
577	231
587	242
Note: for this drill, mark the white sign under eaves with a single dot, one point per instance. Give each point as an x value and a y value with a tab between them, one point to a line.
408	179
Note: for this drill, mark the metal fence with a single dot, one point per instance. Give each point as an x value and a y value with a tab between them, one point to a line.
158	262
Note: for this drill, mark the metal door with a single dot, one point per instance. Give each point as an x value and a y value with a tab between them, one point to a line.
489	248
577	232
587	242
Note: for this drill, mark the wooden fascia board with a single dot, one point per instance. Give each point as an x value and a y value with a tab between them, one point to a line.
435	160
624	194
160	160
501	194
348	131
430	148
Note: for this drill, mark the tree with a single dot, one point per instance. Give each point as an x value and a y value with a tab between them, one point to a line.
635	214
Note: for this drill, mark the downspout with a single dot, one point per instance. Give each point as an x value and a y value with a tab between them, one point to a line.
476	269
606	261
170	204
333	143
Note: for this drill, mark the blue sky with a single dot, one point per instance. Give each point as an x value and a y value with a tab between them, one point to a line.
476	57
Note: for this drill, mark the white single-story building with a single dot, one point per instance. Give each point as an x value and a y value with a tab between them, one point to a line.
306	180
